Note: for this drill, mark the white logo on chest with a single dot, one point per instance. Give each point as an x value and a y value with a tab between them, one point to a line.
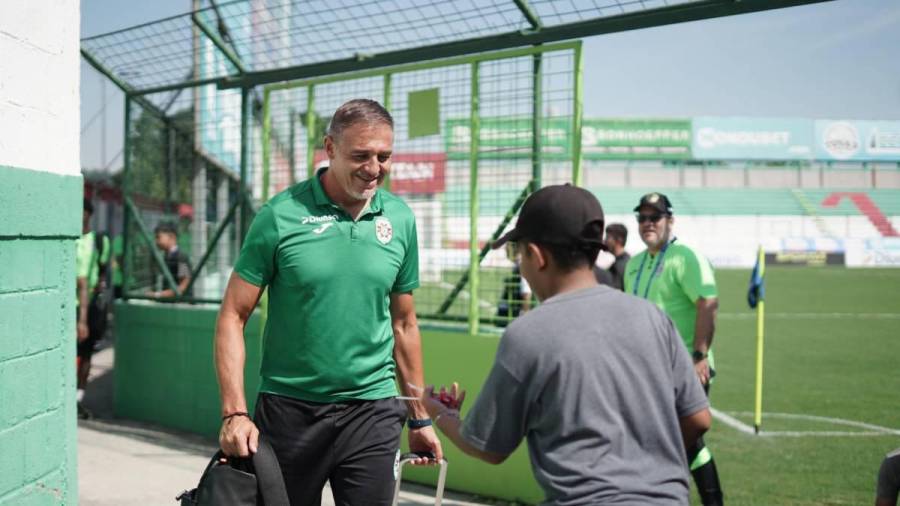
323	227
383	230
318	219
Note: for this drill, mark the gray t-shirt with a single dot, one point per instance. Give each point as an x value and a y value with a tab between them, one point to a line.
596	380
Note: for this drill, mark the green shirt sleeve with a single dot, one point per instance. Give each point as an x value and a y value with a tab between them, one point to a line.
697	276
84	249
408	277
628	277
256	263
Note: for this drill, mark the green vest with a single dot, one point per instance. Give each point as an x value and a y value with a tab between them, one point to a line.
673	280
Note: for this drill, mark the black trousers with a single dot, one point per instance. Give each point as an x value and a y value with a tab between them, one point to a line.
354	445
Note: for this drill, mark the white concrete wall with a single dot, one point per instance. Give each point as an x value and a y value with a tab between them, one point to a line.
39	80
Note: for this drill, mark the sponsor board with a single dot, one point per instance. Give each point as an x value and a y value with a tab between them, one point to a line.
738	138
806	258
636	139
410	172
883	252
857	140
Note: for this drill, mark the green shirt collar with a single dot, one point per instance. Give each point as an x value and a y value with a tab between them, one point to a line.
322	198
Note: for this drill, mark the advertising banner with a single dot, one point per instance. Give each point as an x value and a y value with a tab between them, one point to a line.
858	140
410	172
636	139
509	138
737	138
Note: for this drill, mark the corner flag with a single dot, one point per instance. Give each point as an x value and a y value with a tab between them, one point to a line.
756	299
757	290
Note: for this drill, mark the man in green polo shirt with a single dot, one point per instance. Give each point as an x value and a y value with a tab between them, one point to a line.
340	259
681	282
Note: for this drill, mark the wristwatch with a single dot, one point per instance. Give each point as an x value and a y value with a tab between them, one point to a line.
413	423
698	355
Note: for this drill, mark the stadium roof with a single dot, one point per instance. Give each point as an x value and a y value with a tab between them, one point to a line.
266	41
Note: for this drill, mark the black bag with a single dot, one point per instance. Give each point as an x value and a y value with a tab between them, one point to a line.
240	482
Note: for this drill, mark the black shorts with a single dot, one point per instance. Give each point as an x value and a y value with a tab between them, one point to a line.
85	349
353	445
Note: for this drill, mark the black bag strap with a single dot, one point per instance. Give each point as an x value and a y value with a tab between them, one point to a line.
268	475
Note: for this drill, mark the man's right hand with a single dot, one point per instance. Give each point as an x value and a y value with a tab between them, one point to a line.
83	331
239	437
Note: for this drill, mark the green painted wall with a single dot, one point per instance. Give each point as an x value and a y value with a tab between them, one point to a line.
40	221
164	365
165	375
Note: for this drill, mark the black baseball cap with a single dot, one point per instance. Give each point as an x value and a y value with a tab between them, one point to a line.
657	201
561	215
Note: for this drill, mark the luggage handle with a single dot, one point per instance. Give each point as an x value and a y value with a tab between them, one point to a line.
442	475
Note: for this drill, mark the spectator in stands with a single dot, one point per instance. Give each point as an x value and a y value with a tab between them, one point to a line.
889	480
616	236
340	259
176	262
682	283
596	380
91	257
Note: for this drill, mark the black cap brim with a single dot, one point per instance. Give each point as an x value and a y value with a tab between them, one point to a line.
512	235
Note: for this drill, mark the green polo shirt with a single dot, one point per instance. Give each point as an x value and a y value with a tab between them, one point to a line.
328	335
88	261
674	284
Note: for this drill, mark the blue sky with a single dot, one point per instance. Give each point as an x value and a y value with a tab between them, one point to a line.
838	60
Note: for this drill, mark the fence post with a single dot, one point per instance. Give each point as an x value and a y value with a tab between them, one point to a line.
474	137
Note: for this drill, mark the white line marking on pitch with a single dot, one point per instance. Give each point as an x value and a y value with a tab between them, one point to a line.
873	430
814	316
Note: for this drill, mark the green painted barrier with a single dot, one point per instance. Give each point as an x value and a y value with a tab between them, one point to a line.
164	374
164	370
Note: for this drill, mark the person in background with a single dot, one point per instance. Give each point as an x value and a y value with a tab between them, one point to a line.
888	480
92	253
177	263
681	282
616	236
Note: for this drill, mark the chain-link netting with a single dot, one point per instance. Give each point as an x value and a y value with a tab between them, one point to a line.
182	180
431	170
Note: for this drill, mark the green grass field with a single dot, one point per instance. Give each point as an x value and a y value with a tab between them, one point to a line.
832	350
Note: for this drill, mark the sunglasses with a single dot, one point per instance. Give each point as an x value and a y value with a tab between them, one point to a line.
653	218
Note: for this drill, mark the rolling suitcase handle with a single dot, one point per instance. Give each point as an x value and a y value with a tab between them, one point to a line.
442	476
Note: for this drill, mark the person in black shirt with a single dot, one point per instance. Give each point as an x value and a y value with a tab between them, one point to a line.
616	235
176	261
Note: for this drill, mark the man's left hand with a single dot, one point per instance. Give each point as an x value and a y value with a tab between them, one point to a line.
702	369
425	440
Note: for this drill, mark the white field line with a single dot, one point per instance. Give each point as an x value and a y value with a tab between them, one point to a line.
813	316
872	430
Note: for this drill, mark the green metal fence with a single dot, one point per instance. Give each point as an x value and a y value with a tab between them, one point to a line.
449	163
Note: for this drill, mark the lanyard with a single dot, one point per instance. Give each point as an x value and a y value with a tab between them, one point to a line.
659	259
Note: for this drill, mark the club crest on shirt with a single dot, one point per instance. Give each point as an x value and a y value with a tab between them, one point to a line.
383	230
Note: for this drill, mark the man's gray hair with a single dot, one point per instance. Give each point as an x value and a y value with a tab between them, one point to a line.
358	110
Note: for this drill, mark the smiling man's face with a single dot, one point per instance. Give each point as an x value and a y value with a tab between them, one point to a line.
360	158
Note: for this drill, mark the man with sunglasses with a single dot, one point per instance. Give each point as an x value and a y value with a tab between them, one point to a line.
681	282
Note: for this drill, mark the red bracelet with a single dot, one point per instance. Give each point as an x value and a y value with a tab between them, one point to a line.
239	413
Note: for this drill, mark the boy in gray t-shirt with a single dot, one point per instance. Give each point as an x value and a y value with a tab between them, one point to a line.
598	381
